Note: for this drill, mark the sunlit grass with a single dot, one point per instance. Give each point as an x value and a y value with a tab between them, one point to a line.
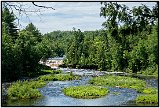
58	77
52	71
149	96
148	99
150	90
119	81
25	89
85	92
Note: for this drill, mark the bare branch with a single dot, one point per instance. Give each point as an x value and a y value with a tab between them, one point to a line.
42	6
24	9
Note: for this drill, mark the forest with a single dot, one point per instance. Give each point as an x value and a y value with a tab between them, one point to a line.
128	42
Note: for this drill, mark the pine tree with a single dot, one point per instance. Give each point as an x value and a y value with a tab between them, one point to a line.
8	24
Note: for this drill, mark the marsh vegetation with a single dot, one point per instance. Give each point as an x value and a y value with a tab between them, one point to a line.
85	92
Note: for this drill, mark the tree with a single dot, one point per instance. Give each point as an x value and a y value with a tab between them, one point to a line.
75	50
35	32
11	54
8	24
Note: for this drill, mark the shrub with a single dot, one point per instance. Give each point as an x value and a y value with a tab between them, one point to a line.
148	99
85	92
25	90
119	81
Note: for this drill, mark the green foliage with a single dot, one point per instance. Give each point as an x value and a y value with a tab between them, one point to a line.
48	71
29	56
148	99
11	69
129	42
75	50
139	57
52	71
50	77
119	81
85	92
22	53
57	71
31	28
152	70
25	90
8	24
150	90
149	96
63	77
58	77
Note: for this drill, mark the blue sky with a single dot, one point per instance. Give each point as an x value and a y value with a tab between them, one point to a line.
81	15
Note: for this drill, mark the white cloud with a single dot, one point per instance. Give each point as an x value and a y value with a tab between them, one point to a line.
82	15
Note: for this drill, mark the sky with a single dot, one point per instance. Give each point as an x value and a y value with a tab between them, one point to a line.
81	15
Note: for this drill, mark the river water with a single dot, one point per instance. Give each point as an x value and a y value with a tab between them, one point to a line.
53	95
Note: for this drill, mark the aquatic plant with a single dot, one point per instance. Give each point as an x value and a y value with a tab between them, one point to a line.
148	99
116	93
150	90
57	71
63	77
119	81
49	77
52	71
49	70
25	89
58	77
85	92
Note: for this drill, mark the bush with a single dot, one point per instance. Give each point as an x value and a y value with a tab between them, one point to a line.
85	92
119	81
148	99
25	90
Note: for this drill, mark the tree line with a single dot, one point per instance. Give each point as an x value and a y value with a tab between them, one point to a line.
128	42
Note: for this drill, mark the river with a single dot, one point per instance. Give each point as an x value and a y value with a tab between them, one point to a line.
53	95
